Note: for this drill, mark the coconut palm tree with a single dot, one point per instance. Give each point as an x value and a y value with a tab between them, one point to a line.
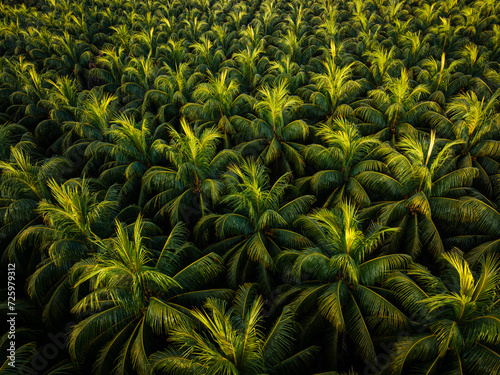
285	69
171	92
345	156
444	80
23	187
416	49
72	57
65	96
339	277
110	65
476	123
250	65
446	38
73	220
191	187
206	57
194	28
274	133
64	106
28	93
268	19
381	63
458	315
148	42
394	110
224	37
219	104
93	119
231	340
136	294
38	43
132	149
258	226
334	89
474	63
297	46
421	190
138	78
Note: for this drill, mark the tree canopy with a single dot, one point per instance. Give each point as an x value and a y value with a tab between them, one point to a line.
245	187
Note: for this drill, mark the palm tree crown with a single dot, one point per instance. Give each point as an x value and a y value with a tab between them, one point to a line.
460	317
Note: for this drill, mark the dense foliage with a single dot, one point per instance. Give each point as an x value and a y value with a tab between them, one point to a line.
251	186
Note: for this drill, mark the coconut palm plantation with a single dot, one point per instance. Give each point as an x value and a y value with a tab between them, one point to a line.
250	187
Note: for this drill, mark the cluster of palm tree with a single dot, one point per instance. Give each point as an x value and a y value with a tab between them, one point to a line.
252	187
